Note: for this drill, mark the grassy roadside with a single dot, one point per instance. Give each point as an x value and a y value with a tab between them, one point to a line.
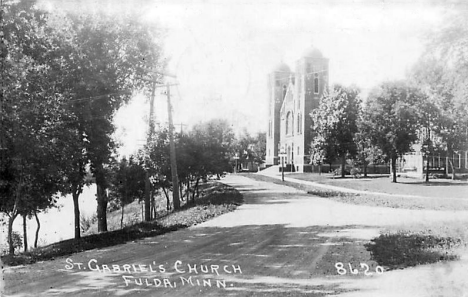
218	199
435	188
372	199
403	249
399	246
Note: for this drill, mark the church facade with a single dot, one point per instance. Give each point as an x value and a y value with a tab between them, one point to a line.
292	97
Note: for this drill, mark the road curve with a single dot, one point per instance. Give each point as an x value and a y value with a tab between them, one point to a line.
280	242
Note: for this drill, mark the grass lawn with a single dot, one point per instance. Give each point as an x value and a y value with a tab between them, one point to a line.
435	188
217	199
427	199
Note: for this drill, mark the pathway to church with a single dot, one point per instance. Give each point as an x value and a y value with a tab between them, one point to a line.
280	242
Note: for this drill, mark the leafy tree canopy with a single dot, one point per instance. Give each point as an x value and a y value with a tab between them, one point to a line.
392	108
334	125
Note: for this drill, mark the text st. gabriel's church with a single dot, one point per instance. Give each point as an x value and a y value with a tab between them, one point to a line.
292	97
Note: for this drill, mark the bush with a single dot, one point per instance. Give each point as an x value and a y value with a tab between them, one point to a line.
403	249
87	222
329	193
337	172
355	172
17	242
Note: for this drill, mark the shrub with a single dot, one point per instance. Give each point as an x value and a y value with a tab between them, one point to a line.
403	249
87	222
17	242
330	193
355	172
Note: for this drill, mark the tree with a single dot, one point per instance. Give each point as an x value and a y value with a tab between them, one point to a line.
127	183
191	164
366	151
250	148
201	152
101	70
155	158
29	114
64	77
216	138
334	125
391	110
428	114
441	73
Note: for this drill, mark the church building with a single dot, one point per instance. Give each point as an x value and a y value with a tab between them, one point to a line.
292	97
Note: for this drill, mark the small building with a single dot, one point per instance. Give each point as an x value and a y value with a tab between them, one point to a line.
441	163
292	97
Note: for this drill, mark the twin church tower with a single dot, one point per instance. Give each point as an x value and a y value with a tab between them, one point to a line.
292	97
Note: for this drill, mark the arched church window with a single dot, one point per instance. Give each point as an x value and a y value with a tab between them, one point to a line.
316	84
299	123
289	123
269	129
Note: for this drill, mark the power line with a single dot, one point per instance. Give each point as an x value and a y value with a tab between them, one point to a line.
124	92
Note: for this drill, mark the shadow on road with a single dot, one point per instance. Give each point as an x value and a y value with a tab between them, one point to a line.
253	260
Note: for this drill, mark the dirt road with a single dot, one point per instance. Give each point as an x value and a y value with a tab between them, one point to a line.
281	242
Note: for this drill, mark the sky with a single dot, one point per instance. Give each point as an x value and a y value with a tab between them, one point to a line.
222	51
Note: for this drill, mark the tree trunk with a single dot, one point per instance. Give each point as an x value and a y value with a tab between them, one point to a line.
181	190
427	169
142	213
197	188
453	168
194	189
76	210
343	165
188	190
12	217
153	206
101	197
365	168
427	155
147	198
25	233
10	234
122	216
394	177
168	202
37	229
101	207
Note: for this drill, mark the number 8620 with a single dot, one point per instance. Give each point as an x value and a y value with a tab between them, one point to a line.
341	270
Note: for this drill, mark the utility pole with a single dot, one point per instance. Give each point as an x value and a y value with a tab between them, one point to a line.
149	141
181	127
175	179
282	155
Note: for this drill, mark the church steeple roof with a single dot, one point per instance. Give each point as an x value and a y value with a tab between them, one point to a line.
282	67
312	52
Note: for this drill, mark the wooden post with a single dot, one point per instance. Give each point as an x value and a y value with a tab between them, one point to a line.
175	180
150	139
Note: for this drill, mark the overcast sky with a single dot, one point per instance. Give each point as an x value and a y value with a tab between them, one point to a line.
222	51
